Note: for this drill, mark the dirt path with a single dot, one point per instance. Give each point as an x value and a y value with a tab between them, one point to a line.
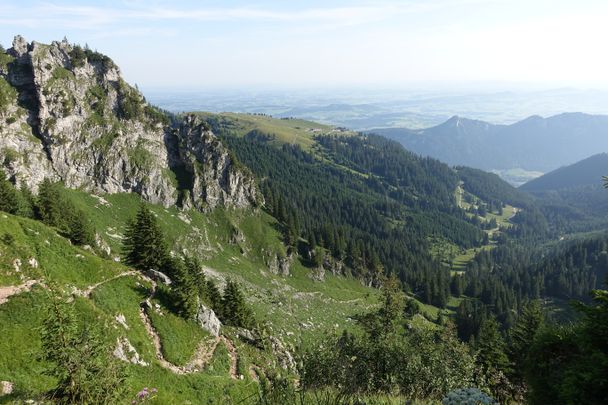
87	292
8	291
233	356
203	354
253	372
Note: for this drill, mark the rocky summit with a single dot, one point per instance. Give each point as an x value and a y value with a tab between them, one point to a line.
66	114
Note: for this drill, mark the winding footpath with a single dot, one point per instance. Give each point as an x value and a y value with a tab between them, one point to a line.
8	291
87	292
203	353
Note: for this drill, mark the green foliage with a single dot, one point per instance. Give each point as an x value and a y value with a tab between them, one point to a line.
80	56
97	96
81	359
8	95
523	333
140	157
491	348
491	188
5	60
55	210
156	115
234	309
131	103
187	277
388	358
417	364
570	364
80	229
493	361
9	199
144	245
48	204
354	212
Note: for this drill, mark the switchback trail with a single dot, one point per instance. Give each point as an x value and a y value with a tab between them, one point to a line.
8	291
203	354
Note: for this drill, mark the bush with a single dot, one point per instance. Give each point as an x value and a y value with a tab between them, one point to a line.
468	396
81	359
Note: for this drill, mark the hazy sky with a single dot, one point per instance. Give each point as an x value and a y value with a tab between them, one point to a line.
228	44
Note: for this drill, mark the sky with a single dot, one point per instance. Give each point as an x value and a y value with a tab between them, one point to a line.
332	43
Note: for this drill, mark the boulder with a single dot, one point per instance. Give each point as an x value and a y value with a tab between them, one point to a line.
207	320
126	352
158	276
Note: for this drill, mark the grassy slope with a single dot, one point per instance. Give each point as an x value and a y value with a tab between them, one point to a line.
457	258
293	131
299	310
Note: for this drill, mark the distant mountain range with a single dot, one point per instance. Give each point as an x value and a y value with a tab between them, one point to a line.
533	144
586	173
578	186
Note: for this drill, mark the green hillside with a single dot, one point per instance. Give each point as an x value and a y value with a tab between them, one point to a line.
103	290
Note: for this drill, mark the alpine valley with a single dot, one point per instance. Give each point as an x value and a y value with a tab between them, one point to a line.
200	258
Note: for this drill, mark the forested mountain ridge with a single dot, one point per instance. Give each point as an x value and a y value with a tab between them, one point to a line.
534	144
584	173
573	197
236	258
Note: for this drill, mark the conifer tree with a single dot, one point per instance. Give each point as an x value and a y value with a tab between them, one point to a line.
234	310
27	203
9	201
80	229
213	296
80	357
490	346
523	332
185	288
144	246
49	204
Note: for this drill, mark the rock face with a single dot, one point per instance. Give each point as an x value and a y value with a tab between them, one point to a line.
66	114
126	352
280	265
207	319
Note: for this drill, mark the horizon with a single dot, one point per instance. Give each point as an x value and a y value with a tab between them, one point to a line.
442	45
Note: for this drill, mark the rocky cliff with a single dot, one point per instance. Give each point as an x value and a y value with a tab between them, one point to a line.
66	114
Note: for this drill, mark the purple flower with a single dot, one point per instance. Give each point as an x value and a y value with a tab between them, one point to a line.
154	390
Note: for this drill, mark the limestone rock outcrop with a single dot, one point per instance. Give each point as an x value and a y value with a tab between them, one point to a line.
207	320
67	114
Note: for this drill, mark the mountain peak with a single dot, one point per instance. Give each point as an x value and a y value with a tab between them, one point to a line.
90	129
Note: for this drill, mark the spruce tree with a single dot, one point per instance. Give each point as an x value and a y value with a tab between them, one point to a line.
144	246
234	310
184	288
9	201
212	296
49	204
27	203
80	229
490	346
80	358
523	332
